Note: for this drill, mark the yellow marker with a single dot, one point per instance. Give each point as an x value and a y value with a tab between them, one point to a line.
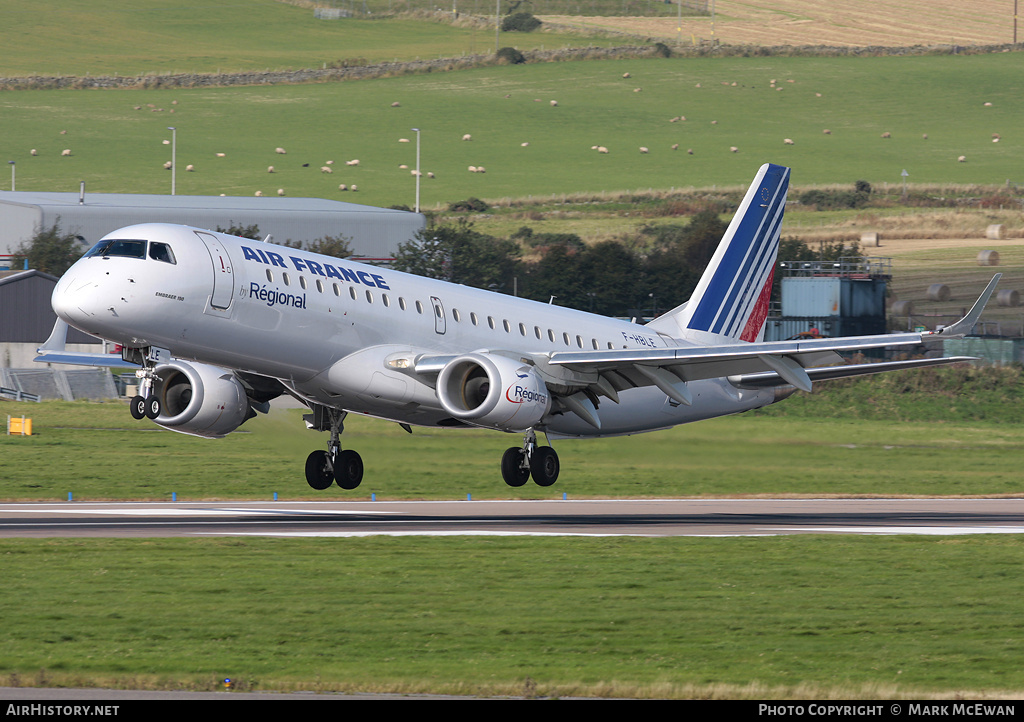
20	426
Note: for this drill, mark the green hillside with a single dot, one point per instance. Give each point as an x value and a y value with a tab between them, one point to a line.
115	136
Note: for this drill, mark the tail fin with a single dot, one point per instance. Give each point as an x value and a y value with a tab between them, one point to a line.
732	297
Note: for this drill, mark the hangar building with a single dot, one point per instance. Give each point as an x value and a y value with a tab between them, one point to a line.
373	233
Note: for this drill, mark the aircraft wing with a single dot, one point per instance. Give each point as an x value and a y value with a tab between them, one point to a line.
769	363
54	351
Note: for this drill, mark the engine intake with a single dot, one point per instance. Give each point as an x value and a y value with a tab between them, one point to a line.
200	400
493	391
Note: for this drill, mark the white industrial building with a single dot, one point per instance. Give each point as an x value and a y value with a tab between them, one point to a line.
372	233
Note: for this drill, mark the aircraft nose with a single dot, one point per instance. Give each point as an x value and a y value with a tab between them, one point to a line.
73	299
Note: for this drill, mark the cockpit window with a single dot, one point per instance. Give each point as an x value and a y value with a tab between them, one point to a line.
161	252
118	247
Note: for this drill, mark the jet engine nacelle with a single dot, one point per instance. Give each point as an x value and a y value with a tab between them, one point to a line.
493	391
200	400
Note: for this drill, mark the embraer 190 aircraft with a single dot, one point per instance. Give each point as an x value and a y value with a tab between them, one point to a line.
217	326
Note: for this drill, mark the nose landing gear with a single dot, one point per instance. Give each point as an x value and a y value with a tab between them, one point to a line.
540	462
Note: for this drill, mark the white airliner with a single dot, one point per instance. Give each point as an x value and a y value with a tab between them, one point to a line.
217	326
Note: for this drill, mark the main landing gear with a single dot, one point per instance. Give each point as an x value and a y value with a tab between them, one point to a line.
541	462
323	468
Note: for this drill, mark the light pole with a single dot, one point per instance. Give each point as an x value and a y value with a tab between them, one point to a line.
12	173
174	156
417	131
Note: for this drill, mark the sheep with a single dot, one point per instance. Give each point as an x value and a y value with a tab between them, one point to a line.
190	168
352	162
689	151
403	167
167	165
988	105
962	159
431	175
554	103
637	90
403	140
788	141
472	169
326	169
330	162
258	194
416	173
886	134
66	152
524	145
601	149
626	76
996	137
221	155
355	188
280	151
675	146
396	104
643	149
733	149
33	152
827	131
280	191
467	136
270	169
342	187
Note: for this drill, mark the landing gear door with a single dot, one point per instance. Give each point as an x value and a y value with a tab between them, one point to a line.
223	275
439	324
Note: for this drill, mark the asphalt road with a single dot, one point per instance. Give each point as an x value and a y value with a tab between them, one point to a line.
620	517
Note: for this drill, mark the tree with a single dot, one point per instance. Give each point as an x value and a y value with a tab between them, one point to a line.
337	246
49	251
460	254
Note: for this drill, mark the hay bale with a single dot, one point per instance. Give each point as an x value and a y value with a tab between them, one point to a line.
994	232
938	292
870	239
903	308
1008	297
988	258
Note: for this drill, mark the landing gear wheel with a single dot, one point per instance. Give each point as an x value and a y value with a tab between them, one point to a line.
318	471
152	407
512	470
348	469
544	466
137	406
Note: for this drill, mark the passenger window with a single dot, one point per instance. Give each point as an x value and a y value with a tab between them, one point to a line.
352	292
537	332
161	252
270	275
337	290
579	341
507	326
369	297
401	303
302	282
551	336
319	285
456	315
419	307
474	319
387	301
565	338
594	341
287	281
490	321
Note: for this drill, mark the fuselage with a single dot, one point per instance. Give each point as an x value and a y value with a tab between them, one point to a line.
309	320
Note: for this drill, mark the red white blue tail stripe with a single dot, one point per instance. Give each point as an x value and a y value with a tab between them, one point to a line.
733	294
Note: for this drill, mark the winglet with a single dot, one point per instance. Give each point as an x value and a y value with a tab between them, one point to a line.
966	324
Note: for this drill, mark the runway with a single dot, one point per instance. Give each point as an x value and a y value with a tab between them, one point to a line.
616	517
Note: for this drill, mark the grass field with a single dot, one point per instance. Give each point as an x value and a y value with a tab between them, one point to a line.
931	432
116	137
763	618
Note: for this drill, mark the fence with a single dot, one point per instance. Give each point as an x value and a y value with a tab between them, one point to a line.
92	384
